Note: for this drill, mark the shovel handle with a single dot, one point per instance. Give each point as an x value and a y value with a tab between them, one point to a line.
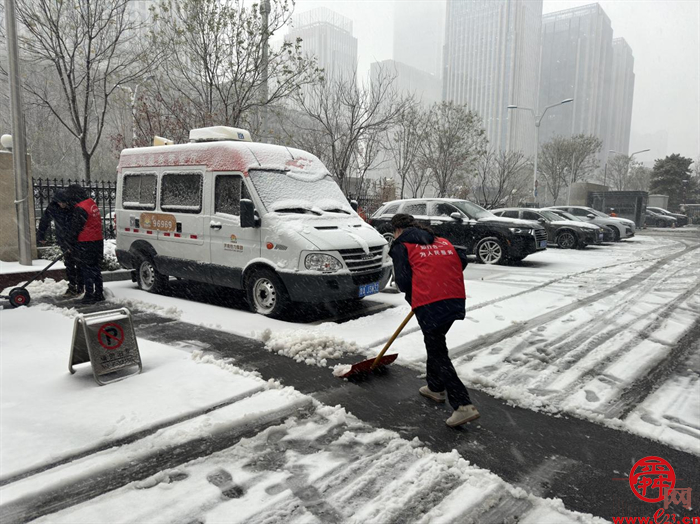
391	340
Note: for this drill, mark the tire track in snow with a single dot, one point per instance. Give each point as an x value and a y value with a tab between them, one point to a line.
634	394
469	349
566	351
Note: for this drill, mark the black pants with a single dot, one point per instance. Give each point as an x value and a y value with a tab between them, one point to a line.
73	271
90	256
440	373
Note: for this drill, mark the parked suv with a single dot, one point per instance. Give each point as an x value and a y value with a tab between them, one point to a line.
681	220
564	233
494	240
622	228
654	219
607	233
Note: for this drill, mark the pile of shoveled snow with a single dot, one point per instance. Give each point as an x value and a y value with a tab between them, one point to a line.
310	348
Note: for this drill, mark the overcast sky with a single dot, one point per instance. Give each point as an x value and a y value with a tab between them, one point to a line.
663	35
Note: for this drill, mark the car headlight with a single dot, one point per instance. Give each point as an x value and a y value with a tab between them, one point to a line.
322	262
520	230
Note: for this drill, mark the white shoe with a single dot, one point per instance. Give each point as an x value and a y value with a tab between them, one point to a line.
462	415
437	396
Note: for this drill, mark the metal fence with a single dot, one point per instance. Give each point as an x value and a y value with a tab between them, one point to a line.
103	193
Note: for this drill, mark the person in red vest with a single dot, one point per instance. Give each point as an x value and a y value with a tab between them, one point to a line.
87	240
428	269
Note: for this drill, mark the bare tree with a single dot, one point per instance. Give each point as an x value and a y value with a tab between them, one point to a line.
79	53
619	171
453	140
500	175
554	163
217	70
640	177
564	161
584	156
417	180
404	143
341	115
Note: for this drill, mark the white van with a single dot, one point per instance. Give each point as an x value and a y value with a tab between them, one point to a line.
224	210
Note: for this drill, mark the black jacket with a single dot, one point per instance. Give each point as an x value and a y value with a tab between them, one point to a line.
62	219
432	315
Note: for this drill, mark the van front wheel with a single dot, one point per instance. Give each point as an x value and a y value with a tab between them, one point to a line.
266	293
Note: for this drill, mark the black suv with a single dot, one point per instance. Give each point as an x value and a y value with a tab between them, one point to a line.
564	233
494	240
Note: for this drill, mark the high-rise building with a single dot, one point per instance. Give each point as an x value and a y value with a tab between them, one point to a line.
621	96
419	33
491	60
576	63
408	80
327	35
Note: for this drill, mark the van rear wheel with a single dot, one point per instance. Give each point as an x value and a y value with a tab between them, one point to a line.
148	277
266	293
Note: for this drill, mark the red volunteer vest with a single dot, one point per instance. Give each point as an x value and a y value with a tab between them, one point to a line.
93	227
437	272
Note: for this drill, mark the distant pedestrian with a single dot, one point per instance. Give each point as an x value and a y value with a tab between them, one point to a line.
86	236
428	269
612	212
61	214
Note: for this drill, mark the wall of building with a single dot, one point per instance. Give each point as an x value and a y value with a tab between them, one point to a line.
491	61
576	63
419	34
9	246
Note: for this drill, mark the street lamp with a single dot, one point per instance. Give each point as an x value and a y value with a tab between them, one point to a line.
132	95
605	176
538	120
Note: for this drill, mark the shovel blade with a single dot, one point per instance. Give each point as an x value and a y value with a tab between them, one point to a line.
366	365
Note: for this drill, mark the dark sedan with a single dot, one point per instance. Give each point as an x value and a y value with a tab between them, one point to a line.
494	240
681	220
564	233
608	234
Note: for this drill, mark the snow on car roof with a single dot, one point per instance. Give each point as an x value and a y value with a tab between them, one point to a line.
226	156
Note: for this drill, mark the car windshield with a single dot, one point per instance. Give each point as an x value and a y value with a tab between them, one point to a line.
550	215
597	213
472	210
568	216
287	192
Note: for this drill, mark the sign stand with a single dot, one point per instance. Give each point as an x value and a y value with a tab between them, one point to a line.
107	340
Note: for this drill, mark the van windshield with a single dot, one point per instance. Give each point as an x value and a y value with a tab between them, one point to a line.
288	192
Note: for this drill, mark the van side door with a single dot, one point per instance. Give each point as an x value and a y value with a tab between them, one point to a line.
181	196
231	246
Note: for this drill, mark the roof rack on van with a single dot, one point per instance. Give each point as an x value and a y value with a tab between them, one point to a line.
218	133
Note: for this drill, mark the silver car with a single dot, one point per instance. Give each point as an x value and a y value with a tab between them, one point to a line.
622	228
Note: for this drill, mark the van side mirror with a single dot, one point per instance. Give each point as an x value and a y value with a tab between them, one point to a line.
247	213
354	205
456	216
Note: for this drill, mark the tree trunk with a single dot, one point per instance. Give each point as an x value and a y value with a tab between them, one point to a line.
86	165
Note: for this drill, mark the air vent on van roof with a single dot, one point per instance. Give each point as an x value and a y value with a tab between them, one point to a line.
219	133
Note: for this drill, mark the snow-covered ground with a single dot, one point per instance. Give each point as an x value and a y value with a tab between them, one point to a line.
315	463
592	333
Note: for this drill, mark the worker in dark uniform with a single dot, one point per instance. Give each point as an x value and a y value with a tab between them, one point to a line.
429	270
86	236
59	211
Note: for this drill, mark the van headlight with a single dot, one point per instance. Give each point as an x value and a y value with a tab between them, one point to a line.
322	262
520	230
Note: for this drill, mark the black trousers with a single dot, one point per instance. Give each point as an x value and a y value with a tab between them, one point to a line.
440	373
73	271
90	256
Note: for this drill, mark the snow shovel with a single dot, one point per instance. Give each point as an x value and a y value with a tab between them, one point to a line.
19	296
370	364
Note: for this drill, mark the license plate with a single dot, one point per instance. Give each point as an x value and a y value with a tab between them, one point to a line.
600	236
369	289
543	243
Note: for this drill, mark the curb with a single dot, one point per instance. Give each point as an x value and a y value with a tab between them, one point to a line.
13	279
